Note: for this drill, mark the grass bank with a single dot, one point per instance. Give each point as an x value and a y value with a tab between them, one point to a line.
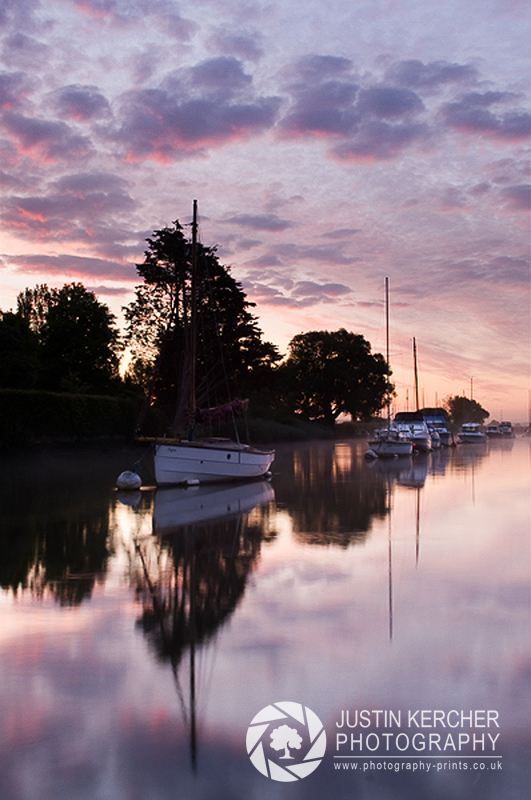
35	417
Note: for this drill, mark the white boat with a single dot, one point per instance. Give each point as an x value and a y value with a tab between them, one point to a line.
506	430
208	460
413	425
493	431
388	442
471	433
436	421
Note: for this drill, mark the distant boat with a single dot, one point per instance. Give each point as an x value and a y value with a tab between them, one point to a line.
208	460
412	423
388	442
493	431
436	421
471	433
507	430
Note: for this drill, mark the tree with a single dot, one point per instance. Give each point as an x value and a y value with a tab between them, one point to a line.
329	373
18	347
231	354
461	409
284	737
78	342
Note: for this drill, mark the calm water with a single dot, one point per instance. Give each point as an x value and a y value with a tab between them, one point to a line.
140	635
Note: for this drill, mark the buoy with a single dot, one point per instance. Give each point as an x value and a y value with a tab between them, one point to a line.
128	480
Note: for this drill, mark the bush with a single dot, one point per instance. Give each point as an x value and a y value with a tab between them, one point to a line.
31	417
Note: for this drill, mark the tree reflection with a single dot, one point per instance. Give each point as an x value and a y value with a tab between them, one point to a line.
332	498
54	531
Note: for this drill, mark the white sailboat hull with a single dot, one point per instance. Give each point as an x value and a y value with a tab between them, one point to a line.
205	462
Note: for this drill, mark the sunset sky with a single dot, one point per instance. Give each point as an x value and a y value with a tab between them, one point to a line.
328	145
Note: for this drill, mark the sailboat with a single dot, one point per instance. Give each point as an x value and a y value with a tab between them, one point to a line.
412	423
389	442
192	461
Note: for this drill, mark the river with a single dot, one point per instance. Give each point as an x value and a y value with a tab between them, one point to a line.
344	630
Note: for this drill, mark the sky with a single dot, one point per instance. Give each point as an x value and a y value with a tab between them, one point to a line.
329	145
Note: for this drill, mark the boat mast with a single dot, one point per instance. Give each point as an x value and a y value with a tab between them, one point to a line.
416	373
387	351
193	328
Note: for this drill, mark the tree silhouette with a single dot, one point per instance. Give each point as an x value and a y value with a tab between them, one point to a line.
329	373
285	737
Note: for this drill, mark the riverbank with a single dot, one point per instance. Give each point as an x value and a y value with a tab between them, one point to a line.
37	418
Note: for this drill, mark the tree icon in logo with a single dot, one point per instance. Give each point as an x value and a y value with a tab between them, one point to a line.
280	727
285	737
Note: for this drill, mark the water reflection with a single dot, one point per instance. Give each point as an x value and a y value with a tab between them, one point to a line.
191	575
54	531
331	497
196	621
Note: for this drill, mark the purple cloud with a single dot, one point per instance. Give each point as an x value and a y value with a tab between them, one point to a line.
326	108
12	86
75	266
243	45
386	101
81	103
211	103
519	197
52	140
175	26
328	290
260	222
380	140
469	116
415	74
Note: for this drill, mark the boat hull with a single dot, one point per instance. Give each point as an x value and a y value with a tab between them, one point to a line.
472	438
389	444
192	462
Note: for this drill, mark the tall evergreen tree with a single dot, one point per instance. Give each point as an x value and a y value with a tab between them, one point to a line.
231	354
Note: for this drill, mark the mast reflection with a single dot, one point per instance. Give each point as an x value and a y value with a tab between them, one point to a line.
193	573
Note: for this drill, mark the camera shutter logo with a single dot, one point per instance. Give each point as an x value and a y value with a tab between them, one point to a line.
286	741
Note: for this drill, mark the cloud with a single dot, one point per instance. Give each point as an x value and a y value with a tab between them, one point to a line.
301	295
82	103
209	104
469	115
325	290
379	140
24	51
386	101
13	85
45	138
416	74
260	222
175	26
78	266
519	197
74	200
243	44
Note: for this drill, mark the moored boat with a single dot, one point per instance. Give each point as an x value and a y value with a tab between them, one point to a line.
436	421
413	425
471	433
493	431
388	442
192	460
506	430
